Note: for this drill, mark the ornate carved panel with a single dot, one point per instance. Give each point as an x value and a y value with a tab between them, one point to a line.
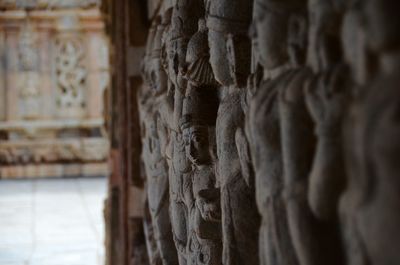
54	85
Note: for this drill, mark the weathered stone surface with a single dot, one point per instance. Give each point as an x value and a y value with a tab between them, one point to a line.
272	125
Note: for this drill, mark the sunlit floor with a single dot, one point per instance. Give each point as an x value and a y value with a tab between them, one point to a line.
52	222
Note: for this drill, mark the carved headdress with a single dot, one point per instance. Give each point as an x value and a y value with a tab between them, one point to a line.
199	71
200	107
230	16
184	19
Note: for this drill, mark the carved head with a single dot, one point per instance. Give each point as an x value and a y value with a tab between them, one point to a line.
228	22
199	116
270	15
158	76
324	49
198	70
383	24
354	42
185	15
297	37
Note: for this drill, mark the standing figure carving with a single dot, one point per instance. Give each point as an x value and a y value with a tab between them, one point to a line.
370	205
230	52
315	241
198	126
326	98
264	122
71	76
185	15
154	149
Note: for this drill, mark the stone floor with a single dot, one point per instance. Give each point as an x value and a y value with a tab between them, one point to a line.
52	221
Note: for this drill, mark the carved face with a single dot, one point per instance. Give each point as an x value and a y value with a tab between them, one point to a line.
219	57
354	45
323	36
196	144
271	43
383	24
297	38
239	54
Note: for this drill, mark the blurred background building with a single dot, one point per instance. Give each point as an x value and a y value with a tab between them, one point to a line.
54	75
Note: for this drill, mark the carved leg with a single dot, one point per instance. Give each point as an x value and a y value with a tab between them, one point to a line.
230	254
178	215
284	242
240	224
266	246
164	236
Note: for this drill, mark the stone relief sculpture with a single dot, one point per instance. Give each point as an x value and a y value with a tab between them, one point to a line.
230	51
198	127
29	80
185	16
370	222
271	122
326	98
71	75
153	156
276	245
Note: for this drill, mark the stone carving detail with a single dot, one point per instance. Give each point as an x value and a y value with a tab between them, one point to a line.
29	80
53	151
71	76
53	69
272	126
230	51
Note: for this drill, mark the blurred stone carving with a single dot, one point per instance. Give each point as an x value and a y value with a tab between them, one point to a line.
198	128
154	145
53	110
71	76
276	243
230	51
276	145
29	79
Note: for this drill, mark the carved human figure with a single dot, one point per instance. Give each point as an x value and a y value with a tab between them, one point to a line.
315	241
155	161
198	127
71	75
230	52
276	246
369	207
185	15
326	98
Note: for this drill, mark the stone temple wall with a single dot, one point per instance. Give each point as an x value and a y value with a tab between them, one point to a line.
263	132
54	75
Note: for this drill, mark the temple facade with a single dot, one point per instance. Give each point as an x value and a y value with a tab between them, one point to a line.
54	74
